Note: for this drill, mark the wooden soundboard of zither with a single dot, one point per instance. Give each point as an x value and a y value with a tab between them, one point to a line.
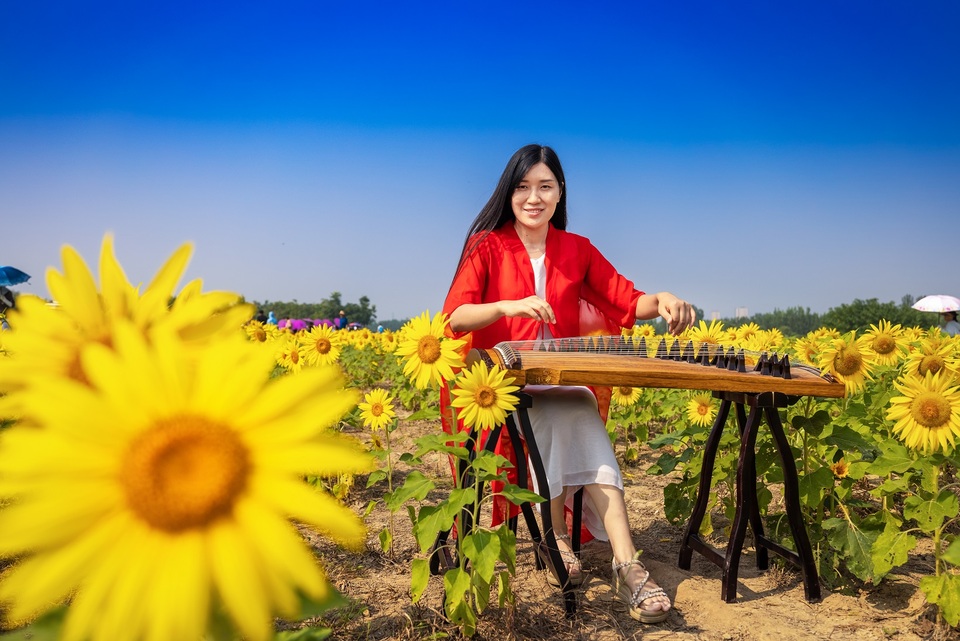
630	370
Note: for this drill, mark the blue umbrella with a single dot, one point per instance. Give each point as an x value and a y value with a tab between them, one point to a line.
12	276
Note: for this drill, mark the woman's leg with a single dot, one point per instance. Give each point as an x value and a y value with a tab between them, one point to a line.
608	501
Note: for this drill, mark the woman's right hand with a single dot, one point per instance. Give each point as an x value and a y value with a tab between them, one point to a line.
530	307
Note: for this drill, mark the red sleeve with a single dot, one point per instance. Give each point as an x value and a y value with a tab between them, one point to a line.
604	287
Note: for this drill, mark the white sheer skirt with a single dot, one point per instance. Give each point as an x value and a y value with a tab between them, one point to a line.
574	446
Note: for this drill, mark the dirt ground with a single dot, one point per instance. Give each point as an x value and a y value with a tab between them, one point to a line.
770	604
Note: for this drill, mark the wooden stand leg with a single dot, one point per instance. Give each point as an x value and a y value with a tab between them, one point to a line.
691	536
550	541
747	510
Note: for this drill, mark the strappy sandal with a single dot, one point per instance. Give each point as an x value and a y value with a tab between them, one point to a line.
575	575
635	598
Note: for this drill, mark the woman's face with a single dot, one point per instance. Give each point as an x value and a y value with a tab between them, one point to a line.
535	198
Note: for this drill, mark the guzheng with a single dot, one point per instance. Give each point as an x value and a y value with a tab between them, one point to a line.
683	364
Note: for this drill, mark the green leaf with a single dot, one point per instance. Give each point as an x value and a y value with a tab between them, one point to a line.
517	495
504	593
445	443
375	477
427	413
435	519
891	550
930	514
508	548
944	590
482	547
386	539
848	439
304	634
45	628
894	457
310	608
855	544
415	486
813	485
459	609
419	577
952	554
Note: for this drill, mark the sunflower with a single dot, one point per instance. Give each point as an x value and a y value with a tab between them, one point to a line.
376	410
746	331
806	349
644	330
320	345
484	396
387	341
288	353
260	333
927	415
160	490
701	409
931	357
886	342
430	356
840	469
625	396
48	339
849	359
714	333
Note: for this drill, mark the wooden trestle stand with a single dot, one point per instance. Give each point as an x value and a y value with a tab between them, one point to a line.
767	387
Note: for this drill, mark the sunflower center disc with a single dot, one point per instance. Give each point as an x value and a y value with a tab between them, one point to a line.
848	362
428	349
486	396
931	410
184	472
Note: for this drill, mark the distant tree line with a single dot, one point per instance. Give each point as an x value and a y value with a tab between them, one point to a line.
858	315
794	321
361	312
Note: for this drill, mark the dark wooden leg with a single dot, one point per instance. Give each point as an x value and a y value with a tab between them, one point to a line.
750	477
791	496
550	541
745	498
691	535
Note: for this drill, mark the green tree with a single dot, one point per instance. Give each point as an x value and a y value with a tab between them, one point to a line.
860	314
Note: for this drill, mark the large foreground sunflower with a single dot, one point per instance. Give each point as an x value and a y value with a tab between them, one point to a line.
430	356
48	340
484	396
927	415
157	494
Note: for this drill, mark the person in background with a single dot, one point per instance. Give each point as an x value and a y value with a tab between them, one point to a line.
342	320
6	302
260	317
522	276
271	318
951	327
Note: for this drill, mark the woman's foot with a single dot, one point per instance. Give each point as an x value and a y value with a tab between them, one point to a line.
575	574
648	603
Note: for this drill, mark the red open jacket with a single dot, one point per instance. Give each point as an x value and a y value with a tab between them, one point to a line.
585	291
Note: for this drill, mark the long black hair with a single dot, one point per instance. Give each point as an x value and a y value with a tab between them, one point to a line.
499	209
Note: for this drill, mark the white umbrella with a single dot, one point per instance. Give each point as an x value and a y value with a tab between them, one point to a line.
938	303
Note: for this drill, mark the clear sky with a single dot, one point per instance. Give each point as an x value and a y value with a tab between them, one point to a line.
740	154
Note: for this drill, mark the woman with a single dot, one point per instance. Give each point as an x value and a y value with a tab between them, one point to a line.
521	276
951	326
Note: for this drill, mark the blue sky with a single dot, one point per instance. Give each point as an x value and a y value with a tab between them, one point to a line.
759	155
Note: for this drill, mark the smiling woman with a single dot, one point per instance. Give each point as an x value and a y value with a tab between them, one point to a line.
522	276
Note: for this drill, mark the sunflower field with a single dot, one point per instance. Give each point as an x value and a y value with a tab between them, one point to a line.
160	455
